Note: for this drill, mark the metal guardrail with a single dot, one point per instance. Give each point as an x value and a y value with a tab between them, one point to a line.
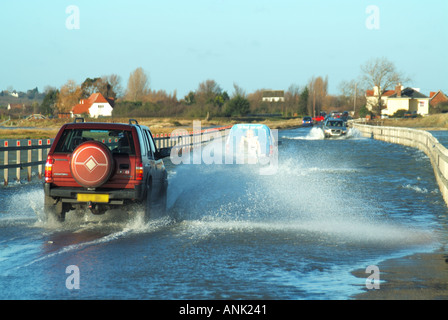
6	121
23	159
187	139
420	139
21	154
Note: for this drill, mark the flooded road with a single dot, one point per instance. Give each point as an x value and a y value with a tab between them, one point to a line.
230	233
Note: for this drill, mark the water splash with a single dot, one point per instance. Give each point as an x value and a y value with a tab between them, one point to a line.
316	133
236	199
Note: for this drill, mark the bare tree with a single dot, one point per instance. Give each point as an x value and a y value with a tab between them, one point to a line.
113	89
255	98
292	99
382	74
238	91
90	86
68	96
318	90
161	97
138	85
207	91
351	95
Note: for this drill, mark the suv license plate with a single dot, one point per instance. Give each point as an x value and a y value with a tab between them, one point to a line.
82	197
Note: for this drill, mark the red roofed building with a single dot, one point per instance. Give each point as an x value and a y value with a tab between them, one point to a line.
437	97
409	99
95	106
372	97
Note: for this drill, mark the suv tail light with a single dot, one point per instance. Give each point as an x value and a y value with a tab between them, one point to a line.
139	171
49	169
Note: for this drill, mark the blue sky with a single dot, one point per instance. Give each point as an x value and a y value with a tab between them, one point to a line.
254	43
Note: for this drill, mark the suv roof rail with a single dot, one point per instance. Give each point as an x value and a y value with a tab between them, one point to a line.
133	120
78	118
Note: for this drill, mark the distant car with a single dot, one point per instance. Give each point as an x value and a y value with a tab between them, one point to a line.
345	117
335	114
307	122
334	128
318	119
410	115
250	143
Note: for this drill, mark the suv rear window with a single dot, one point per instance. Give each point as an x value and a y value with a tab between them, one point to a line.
335	123
118	141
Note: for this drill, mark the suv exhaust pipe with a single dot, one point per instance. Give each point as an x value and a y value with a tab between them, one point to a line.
96	209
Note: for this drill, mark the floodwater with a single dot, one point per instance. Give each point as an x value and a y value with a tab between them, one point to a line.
332	207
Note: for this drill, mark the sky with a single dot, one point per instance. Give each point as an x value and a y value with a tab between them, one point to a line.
256	44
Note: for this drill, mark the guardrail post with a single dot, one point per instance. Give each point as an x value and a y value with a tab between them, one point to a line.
29	160
39	158
18	162
6	162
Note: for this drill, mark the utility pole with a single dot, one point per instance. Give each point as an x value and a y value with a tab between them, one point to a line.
354	101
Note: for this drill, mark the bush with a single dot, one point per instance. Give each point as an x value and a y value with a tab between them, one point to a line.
363	112
237	106
399	113
441	107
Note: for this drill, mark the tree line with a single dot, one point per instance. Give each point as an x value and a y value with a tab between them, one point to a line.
207	100
138	99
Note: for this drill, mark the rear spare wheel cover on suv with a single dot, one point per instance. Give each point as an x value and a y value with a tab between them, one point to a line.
91	164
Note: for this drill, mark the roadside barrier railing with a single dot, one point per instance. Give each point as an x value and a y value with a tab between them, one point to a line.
415	138
20	154
18	157
188	140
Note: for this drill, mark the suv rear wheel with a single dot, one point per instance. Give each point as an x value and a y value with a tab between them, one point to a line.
155	205
54	209
159	206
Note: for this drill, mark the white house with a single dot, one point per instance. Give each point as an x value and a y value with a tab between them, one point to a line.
372	97
95	106
273	96
409	99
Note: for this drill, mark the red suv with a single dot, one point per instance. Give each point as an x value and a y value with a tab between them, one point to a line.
103	165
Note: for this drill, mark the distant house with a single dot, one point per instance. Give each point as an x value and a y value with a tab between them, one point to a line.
372	97
273	95
16	106
437	97
409	99
64	115
95	106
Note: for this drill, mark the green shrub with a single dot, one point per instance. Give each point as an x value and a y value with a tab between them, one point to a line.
399	113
